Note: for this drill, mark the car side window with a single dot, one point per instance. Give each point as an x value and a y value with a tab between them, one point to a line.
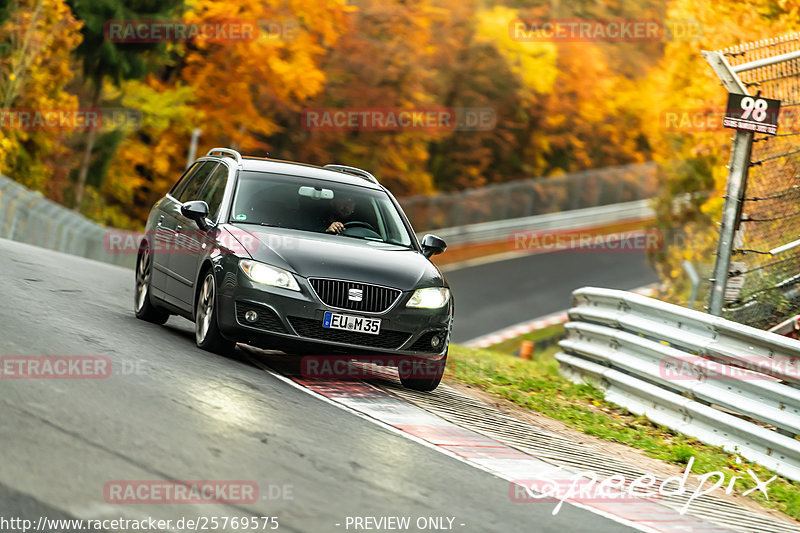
176	189
214	190
195	183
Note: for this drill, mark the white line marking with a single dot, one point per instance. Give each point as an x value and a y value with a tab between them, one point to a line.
504	476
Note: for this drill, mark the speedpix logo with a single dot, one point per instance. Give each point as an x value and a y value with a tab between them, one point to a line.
587	486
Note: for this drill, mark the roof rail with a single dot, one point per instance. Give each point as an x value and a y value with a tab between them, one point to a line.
226	151
354	171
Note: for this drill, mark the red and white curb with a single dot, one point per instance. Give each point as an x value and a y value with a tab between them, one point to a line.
516	330
490	339
401	417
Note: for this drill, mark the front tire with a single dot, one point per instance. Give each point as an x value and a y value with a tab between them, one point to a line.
421	374
142	306
206	329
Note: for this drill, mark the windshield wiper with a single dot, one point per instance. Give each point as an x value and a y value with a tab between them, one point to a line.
265	224
363	238
373	239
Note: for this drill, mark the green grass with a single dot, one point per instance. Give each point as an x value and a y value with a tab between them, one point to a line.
511	346
537	385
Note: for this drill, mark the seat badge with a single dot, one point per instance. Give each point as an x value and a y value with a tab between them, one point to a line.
355	295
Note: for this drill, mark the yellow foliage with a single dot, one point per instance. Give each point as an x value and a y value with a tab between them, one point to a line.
241	81
695	160
39	36
533	62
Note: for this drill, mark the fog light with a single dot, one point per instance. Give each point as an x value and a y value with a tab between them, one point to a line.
251	316
435	341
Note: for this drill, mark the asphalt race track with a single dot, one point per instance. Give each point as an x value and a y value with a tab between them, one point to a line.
169	411
492	296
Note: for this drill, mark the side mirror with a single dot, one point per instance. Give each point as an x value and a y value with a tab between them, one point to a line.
432	245
196	210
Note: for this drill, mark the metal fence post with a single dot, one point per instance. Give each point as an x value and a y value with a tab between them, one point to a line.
737	179
688	267
193	146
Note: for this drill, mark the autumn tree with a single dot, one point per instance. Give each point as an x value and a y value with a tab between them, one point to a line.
231	89
242	83
103	58
37	37
382	62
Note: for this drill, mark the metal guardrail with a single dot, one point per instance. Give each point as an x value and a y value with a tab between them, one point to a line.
533	196
726	384
27	216
566	220
787	328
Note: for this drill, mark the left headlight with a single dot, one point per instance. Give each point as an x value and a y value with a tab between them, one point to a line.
430	298
269	275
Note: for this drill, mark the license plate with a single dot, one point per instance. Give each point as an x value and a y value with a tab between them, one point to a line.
351	323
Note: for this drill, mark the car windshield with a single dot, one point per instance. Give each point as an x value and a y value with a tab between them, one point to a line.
307	204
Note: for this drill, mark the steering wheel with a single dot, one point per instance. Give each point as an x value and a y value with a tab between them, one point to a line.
359	224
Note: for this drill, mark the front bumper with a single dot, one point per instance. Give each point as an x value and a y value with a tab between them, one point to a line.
290	320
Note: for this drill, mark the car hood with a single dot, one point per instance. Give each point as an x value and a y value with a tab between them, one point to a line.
335	256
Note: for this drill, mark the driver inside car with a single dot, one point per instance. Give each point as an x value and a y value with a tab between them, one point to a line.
340	213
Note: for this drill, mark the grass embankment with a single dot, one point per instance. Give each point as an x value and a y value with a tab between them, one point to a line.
542	339
537	385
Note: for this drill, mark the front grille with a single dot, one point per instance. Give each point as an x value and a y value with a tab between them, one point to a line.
423	344
335	293
267	319
387	339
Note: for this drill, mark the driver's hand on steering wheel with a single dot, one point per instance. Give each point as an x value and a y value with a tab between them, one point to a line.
335	227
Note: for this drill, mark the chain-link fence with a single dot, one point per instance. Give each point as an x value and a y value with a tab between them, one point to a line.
537	196
770	214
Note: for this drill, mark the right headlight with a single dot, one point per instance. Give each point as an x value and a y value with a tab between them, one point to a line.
268	274
429	298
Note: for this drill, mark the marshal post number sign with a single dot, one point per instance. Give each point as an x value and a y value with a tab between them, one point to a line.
752	113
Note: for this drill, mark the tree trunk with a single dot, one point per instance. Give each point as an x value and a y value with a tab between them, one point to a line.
87	154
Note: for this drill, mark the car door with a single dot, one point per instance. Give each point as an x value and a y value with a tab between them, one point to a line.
163	232
194	242
173	222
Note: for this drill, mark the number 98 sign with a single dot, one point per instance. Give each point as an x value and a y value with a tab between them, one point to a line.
752	113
